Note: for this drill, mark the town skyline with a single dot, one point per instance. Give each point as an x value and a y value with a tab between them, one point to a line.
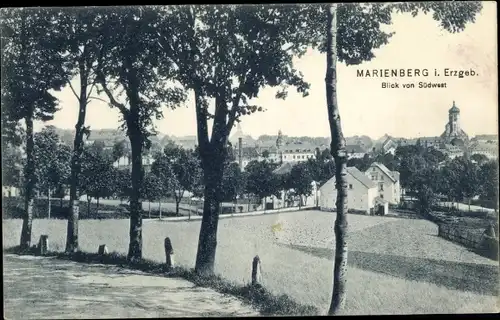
366	108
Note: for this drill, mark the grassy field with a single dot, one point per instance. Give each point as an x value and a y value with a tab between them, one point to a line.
396	266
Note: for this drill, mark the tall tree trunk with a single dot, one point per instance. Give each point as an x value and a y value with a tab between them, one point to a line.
207	243
340	157
74	195
178	199
135	136
190	208
49	204
29	186
97	205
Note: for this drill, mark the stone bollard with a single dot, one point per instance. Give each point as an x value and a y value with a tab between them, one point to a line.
102	249
256	276
169	253
43	245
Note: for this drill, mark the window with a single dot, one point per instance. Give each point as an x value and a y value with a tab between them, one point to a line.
293	157
350	186
382	196
373	169
381	177
380	187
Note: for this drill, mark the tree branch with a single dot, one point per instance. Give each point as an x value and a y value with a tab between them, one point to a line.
112	100
73	89
235	106
97	98
219	127
91	89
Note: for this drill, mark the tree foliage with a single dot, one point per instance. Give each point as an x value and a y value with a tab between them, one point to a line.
186	170
52	160
261	181
97	177
233	182
11	166
301	179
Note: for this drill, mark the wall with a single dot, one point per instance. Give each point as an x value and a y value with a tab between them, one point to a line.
328	194
397	192
389	193
465	237
358	198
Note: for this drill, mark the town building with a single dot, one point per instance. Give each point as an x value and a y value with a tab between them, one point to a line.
389	145
488	149
355	151
297	152
451	151
361	192
125	162
485	138
246	139
387	182
10	191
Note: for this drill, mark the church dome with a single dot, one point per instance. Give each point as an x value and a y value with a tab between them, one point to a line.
454	109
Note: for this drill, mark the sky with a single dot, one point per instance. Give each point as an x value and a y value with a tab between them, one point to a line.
365	107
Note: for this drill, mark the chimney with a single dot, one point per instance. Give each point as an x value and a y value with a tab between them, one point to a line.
240	160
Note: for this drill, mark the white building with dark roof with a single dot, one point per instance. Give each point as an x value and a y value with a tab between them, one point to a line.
387	182
361	192
355	151
297	152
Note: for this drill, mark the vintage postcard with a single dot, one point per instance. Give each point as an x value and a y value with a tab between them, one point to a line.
250	160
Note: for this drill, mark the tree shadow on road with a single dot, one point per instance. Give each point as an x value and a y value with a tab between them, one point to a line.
478	278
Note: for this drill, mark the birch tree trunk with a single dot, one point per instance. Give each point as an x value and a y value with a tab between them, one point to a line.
339	154
29	186
49	206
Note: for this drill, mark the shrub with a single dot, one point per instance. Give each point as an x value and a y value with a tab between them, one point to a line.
13	208
489	247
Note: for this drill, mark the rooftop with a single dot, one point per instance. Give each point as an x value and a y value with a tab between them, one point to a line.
361	177
285	167
385	170
454	109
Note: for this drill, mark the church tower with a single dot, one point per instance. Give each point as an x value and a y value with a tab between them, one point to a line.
453	132
453	116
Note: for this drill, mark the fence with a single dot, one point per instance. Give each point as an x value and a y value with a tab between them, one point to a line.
474	239
462	236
